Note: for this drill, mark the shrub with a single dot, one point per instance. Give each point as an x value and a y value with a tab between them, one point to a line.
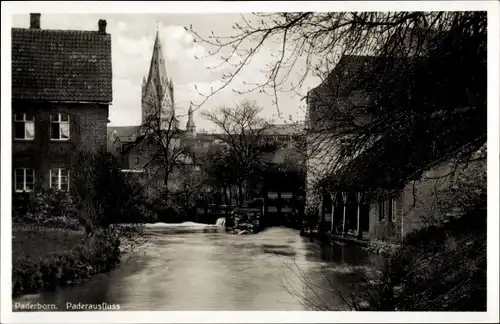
100	189
45	271
442	267
439	268
466	191
46	207
21	204
52	203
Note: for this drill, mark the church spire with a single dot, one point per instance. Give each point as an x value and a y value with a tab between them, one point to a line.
157	69
157	90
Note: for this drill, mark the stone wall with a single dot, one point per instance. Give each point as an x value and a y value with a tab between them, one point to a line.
416	206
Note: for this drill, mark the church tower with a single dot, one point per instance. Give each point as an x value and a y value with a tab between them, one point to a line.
190	127
158	90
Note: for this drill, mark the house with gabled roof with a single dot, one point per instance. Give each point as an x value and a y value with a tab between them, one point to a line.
61	92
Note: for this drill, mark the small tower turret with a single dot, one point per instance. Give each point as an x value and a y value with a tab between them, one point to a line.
144	86
190	126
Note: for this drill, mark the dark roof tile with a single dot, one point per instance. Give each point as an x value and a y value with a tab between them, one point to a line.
61	65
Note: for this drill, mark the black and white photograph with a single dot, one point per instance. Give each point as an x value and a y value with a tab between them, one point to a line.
319	161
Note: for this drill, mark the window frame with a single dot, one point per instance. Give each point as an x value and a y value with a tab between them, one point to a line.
24	180
387	209
60	122
59	177
24	120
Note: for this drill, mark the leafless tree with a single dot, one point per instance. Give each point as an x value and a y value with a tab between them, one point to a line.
85	175
242	133
161	137
104	196
187	192
377	94
219	173
321	39
390	100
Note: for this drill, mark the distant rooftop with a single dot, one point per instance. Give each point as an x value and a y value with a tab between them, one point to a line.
125	133
283	129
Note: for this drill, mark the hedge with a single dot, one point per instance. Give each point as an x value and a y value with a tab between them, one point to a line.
43	260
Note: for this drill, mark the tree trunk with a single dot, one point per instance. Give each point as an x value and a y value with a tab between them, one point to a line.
250	187
165	180
227	195
89	229
240	193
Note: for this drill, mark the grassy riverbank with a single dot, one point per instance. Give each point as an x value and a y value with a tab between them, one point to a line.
45	257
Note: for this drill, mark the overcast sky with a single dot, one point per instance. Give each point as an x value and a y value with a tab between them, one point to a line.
132	43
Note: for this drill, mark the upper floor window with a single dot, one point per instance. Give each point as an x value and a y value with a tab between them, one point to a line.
24	127
59	179
59	127
24	179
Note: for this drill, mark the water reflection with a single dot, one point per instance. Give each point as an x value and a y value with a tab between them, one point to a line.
274	270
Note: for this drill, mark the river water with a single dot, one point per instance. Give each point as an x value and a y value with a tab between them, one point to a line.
273	270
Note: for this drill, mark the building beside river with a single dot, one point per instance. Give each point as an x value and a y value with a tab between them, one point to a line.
340	188
61	92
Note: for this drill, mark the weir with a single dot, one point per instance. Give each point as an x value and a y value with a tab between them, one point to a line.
221	221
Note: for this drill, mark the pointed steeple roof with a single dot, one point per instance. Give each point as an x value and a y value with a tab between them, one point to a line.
157	76
158	92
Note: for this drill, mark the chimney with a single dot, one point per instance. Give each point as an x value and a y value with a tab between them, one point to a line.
35	20
102	26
